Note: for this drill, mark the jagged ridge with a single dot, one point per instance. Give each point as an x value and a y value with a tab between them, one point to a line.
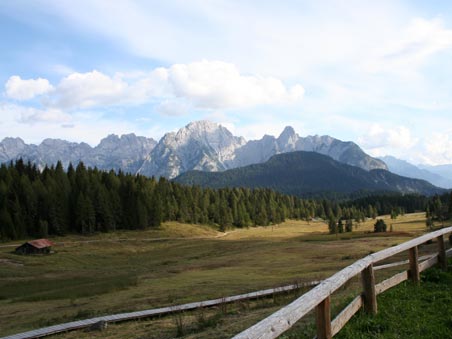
201	145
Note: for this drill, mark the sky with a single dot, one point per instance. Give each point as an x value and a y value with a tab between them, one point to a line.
374	72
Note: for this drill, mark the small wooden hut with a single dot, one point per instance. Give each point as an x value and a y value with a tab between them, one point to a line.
38	246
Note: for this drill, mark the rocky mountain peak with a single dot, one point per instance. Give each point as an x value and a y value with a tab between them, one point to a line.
287	133
287	140
202	125
11	148
13	142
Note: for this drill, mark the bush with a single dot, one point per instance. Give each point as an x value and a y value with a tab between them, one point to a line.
380	226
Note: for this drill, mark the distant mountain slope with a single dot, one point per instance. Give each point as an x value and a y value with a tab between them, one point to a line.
125	153
444	171
306	173
347	152
404	168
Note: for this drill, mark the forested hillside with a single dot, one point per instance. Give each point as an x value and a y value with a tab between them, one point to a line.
309	174
85	200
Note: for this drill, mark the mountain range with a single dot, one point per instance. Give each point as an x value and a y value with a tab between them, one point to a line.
203	146
303	173
126	152
200	145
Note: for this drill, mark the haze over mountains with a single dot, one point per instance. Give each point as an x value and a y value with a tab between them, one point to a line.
201	145
440	176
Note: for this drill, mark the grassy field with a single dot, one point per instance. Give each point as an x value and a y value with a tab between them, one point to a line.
409	311
128	271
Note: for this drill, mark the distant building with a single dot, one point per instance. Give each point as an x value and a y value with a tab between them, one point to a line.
38	246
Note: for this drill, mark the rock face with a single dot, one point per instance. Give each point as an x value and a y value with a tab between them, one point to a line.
125	153
346	152
10	148
200	145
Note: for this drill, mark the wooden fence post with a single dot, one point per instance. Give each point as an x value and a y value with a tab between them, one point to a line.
369	293
323	319
414	265
442	259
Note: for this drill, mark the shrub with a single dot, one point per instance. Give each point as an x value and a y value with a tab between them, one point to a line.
380	226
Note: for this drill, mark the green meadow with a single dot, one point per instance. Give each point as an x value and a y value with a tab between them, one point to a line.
178	263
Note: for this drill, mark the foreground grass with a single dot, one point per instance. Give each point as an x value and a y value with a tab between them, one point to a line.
408	311
128	271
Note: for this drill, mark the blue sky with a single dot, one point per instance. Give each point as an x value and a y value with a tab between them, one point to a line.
374	72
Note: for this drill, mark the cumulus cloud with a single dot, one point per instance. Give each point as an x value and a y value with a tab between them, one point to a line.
217	84
20	89
87	89
204	84
380	141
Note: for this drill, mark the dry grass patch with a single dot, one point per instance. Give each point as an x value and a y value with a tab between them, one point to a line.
86	279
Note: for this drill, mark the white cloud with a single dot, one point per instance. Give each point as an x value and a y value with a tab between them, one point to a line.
380	140
217	84
278	40
437	149
205	84
20	89
12	113
404	53
82	90
32	116
34	125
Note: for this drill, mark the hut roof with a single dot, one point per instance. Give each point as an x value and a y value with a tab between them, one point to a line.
40	243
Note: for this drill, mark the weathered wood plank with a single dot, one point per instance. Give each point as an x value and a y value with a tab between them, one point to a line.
369	294
389	252
282	320
442	258
400	263
449	252
346	314
414	265
42	332
428	263
394	264
323	319
391	282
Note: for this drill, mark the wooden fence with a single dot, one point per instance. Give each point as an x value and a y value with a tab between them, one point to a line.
74	325
320	296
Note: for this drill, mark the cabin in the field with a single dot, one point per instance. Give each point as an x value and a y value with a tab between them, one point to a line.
38	246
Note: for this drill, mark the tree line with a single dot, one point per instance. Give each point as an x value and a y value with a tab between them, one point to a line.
55	201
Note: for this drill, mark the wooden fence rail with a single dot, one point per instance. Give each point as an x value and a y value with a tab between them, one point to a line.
319	297
74	325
